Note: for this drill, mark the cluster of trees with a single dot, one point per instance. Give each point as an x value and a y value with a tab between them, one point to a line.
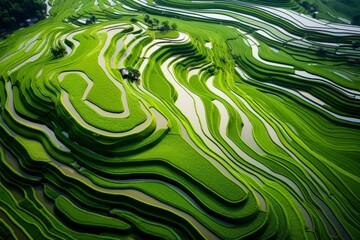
134	74
165	26
12	12
58	51
131	73
213	69
310	7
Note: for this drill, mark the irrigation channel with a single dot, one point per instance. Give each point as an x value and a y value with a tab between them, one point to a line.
243	124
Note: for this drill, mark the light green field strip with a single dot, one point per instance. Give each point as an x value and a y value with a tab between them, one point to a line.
130	42
150	228
81	217
80	120
111	30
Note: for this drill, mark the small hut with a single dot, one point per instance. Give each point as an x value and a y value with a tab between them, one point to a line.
124	73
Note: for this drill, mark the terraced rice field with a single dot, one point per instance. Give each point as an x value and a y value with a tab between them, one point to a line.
238	128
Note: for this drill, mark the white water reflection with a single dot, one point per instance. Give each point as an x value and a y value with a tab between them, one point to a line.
48	7
312	98
346	91
246	131
208	45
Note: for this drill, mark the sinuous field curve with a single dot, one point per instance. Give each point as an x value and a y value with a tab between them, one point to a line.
243	123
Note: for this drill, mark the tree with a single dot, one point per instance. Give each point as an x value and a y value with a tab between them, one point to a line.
134	74
156	21
9	20
306	5
213	69
58	51
146	18
173	26
166	25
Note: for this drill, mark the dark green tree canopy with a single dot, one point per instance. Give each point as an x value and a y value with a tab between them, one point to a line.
166	25
12	12
134	74
356	20
58	51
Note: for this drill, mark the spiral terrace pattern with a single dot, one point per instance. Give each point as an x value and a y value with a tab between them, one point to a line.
236	129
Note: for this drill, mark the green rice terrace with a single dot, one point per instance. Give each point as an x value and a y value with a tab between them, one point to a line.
179	119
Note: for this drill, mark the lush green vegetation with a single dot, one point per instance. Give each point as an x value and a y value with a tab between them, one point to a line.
14	12
180	120
334	10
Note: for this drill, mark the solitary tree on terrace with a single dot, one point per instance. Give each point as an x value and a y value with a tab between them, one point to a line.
150	22
166	25
93	19
156	21
134	74
58	51
173	26
146	18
